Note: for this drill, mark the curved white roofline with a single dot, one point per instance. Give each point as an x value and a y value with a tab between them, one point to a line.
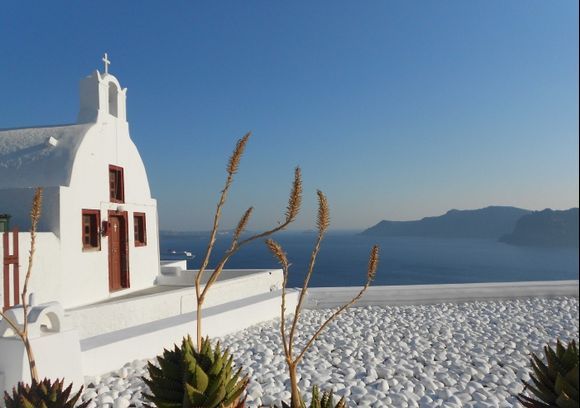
39	157
45	156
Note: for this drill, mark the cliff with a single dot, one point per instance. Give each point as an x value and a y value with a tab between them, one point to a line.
489	222
547	228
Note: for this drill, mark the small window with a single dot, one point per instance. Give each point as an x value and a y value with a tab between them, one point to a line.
116	184
91	238
140	229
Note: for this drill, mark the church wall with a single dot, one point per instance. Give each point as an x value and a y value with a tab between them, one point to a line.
144	260
87	272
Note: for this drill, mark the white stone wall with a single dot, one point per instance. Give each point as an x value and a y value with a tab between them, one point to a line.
320	298
107	352
165	302
57	356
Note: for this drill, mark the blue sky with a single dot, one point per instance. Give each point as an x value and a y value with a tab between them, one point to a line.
396	109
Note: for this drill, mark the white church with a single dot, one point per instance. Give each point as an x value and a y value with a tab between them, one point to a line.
99	233
100	293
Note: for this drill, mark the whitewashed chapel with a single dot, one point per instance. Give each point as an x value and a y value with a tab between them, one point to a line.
102	296
98	231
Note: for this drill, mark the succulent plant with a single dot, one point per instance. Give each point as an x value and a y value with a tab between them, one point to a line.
43	394
326	400
554	384
190	379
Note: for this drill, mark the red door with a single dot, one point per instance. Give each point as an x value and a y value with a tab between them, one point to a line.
118	265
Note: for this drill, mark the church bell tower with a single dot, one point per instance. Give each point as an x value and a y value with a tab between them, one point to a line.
102	98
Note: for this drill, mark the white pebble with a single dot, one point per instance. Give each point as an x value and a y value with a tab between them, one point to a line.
472	354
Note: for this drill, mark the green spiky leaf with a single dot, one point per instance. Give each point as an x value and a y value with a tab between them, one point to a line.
555	381
326	400
191	379
44	394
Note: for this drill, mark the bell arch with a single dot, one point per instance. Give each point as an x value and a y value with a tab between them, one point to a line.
113	99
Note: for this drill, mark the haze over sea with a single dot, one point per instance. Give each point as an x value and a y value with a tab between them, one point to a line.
403	260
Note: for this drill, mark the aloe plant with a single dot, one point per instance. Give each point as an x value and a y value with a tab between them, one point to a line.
190	379
326	400
554	383
43	394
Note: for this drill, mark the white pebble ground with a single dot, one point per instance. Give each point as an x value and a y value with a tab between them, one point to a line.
450	355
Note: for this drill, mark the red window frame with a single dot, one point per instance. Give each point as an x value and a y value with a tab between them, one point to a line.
90	223
140	228
116	184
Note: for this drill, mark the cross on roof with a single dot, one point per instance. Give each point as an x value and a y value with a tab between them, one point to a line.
107	63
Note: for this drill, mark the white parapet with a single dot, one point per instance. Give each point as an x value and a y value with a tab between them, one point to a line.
318	298
109	351
57	352
165	301
58	355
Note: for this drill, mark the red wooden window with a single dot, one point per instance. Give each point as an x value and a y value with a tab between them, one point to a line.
140	227
116	184
91	222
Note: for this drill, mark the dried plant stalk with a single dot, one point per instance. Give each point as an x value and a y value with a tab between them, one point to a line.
233	164
236	157
295	200
35	213
322	222
291	212
279	253
373	263
371	271
293	205
288	341
242	224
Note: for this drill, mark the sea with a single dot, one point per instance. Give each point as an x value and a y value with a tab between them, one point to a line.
343	258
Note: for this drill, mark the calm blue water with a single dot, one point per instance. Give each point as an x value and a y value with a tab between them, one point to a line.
407	260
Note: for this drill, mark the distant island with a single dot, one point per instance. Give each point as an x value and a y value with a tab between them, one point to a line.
511	225
489	222
547	228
